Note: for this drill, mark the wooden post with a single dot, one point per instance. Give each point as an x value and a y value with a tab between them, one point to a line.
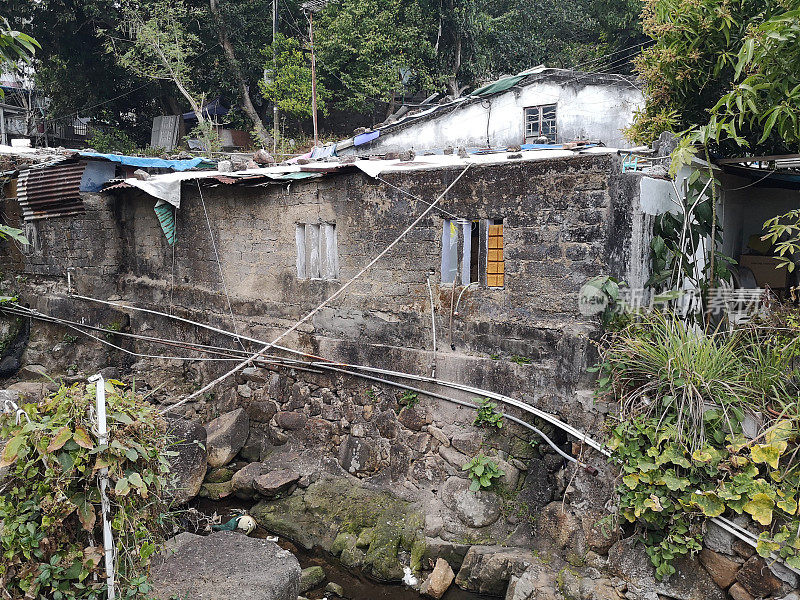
313	75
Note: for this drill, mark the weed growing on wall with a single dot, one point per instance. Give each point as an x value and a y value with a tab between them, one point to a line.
482	471
689	441
488	415
50	516
408	399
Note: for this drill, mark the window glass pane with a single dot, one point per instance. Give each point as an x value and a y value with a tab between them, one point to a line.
449	252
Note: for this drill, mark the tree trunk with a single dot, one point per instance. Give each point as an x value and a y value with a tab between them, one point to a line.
452	81
247	103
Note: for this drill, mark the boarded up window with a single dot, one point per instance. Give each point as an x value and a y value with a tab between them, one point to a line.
495	265
317	251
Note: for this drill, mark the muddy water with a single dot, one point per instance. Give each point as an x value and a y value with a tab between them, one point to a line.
356	586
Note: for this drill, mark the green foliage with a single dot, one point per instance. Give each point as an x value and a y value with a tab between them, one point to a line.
362	46
684	396
206	133
723	71
408	399
50	500
288	81
482	471
115	140
520	360
603	290
488	415
783	232
15	46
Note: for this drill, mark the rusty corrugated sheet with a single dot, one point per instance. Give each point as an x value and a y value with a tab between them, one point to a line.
52	191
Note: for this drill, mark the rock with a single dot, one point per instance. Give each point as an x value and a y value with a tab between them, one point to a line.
537	489
510	473
562	529
219	475
335	589
439	580
757	579
439	435
257	445
243	482
189	466
29	391
311	577
453	457
360	455
262	157
414	418
315	516
743	549
224	166
782	572
468	442
535	583
226	436
628	560
261	412
791	596
474	509
216	491
737	592
225	565
32	371
488	569
274	483
719	540
722	570
291	420
244	391
452	552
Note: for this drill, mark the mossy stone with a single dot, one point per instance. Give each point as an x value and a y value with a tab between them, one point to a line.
352	557
382	553
215	491
364	538
342	542
310	578
418	549
219	475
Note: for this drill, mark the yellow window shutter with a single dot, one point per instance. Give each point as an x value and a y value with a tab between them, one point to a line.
495	264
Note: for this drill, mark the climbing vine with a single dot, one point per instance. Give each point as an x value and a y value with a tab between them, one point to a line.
50	516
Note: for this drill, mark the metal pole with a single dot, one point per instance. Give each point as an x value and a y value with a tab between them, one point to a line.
313	74
274	75
102	430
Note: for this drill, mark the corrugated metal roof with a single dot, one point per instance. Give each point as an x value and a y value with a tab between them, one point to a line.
54	191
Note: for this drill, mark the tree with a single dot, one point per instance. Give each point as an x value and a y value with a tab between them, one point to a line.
363	45
243	88
723	70
289	85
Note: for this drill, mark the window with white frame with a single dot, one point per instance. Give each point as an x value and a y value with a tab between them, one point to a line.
472	252
317	251
540	121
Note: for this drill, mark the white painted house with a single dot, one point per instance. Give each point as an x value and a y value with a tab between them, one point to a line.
542	105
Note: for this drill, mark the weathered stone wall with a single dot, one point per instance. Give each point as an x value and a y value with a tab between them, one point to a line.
565	220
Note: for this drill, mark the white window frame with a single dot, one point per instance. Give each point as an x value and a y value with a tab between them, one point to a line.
540	121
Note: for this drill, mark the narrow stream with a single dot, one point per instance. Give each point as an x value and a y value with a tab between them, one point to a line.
356	585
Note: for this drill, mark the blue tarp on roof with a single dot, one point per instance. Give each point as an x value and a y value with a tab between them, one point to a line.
154	163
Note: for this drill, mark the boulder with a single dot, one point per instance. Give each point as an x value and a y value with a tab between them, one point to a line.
335	589
274	483
215	491
32	371
311	577
261	412
243	481
757	579
29	391
226	436
439	580
737	592
414	418
225	565
722	569
488	569
290	420
535	583
468	442
474	509
537	489
189	466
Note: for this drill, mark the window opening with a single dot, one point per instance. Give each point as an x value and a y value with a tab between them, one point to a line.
317	251
474	259
495	262
540	121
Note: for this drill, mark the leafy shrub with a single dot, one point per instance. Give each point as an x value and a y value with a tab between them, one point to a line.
482	471
680	444
114	140
50	501
488	415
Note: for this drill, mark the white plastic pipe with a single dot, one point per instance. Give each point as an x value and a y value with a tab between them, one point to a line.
102	437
